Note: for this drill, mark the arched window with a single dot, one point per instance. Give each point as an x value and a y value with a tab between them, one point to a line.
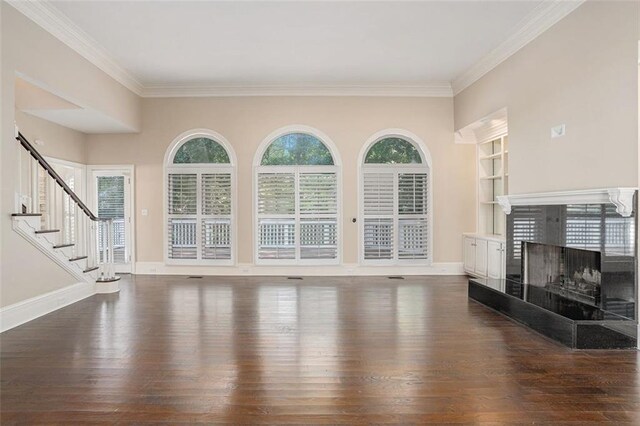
395	182
200	187
297	203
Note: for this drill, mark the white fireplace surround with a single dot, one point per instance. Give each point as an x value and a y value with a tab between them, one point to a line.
622	198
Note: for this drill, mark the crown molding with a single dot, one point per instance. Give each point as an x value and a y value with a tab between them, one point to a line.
47	16
537	22
438	89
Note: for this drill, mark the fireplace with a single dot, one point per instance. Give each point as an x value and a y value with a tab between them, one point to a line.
573	273
570	267
550	246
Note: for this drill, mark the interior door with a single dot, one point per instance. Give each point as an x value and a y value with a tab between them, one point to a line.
112	200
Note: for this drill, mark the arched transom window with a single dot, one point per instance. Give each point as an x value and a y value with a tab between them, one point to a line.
394	203
297	201
200	189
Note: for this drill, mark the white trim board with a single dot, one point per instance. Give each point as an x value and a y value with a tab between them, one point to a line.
27	310
347	269
428	90
622	198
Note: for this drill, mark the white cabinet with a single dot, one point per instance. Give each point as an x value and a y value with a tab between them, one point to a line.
495	259
484	256
469	251
481	257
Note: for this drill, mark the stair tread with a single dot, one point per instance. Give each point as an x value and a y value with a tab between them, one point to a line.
25	214
73	259
93	268
63	245
47	231
108	280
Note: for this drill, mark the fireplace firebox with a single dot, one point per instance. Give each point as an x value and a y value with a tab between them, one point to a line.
573	273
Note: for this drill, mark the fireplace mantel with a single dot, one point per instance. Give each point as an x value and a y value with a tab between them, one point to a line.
622	198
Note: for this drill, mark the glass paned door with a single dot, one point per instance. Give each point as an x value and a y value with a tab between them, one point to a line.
112	200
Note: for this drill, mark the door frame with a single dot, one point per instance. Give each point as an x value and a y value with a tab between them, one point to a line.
92	198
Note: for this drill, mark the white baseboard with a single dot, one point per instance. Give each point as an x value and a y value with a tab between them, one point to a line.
248	269
19	313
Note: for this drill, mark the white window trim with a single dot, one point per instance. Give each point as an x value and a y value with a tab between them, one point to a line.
258	168
169	167
395	168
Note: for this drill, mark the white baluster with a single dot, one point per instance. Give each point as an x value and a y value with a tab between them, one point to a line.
65	216
112	260
19	200
56	207
33	176
49	184
90	244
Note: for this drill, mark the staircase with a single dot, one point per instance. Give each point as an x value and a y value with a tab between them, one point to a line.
58	223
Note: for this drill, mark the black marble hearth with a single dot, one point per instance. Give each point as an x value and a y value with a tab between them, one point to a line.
568	321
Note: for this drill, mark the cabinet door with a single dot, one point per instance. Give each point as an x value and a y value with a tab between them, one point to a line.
469	249
481	257
494	259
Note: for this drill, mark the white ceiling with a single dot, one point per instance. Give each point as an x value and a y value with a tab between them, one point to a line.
274	43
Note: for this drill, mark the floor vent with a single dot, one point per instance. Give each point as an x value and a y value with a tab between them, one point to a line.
294	278
396	277
194	277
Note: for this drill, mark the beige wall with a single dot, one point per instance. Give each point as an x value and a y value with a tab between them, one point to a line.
246	121
28	50
58	141
583	73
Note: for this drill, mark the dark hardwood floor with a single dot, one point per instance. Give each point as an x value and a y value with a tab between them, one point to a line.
318	350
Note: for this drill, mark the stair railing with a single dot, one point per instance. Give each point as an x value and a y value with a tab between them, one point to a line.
61	209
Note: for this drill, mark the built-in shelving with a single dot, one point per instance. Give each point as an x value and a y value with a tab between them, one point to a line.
493	166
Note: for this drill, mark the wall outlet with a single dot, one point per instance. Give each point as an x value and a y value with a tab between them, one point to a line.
145	212
558	131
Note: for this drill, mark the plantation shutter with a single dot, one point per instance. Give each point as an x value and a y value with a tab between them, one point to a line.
378	193
413	231
276	215
200	205
182	226
395	207
297	215
216	216
318	195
